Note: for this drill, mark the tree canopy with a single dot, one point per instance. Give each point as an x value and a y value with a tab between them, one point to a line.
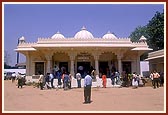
153	31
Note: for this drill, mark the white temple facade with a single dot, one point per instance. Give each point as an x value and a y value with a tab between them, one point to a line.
105	54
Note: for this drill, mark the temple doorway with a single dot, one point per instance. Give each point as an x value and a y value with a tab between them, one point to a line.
63	66
126	66
82	68
39	67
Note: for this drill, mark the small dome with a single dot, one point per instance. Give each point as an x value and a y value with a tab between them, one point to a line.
57	35
83	34
109	35
142	38
22	39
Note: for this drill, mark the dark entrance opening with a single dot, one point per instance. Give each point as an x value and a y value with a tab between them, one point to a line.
126	66
63	66
39	66
82	68
104	68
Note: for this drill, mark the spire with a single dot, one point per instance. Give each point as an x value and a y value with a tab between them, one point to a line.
58	32
108	32
83	28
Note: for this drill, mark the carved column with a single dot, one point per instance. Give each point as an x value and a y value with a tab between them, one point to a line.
138	63
96	57
49	59
119	56
28	64
72	58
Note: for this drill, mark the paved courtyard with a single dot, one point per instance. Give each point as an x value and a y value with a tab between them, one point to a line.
30	99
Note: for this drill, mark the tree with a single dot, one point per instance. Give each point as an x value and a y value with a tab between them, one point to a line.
138	32
155	31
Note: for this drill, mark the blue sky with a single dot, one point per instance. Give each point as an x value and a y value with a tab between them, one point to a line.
44	20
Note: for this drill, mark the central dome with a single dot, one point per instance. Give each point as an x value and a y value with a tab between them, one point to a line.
83	34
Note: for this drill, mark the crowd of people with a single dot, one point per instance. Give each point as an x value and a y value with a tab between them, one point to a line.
65	80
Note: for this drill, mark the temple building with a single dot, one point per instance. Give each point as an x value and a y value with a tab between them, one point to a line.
79	53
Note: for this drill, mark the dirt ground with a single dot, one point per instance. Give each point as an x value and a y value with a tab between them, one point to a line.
104	100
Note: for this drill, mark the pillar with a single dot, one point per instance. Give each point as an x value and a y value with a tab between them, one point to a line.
96	57
72	58
49	59
27	64
119	56
138	63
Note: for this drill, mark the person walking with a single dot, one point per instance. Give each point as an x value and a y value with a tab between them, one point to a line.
104	79
156	79
66	81
78	77
41	80
52	79
134	81
98	80
47	81
59	74
87	88
13	76
19	78
151	77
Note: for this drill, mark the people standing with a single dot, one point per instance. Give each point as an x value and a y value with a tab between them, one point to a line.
151	77
78	78
19	78
98	80
134	80
69	81
41	80
13	76
104	80
117	77
156	79
112	78
87	88
161	79
47	81
59	74
66	81
52	80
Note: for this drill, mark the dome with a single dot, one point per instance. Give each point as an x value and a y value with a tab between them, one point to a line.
142	38
109	35
22	39
57	35
83	34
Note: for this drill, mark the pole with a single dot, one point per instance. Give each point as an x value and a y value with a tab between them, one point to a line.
17	54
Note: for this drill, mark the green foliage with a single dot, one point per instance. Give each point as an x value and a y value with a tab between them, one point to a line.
153	31
137	33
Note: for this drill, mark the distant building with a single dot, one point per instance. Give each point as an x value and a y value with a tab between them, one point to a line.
105	54
156	60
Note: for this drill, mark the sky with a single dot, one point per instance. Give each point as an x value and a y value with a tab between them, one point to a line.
35	21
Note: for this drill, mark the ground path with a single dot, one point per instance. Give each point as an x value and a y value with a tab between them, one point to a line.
104	99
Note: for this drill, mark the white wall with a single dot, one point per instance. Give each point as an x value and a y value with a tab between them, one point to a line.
144	66
23	71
